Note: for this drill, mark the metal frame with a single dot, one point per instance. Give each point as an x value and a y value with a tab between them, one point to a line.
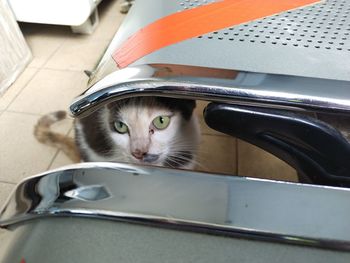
231	206
219	85
269	210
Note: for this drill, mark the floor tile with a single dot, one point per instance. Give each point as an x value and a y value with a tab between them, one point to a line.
10	94
3	237
5	190
254	162
60	160
48	91
78	53
203	126
21	155
110	20
44	40
217	154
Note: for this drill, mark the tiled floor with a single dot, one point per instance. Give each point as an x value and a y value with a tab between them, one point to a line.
55	76
50	82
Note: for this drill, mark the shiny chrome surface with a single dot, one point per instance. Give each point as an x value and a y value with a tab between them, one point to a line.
241	88
232	206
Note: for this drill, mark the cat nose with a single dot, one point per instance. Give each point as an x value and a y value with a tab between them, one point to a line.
138	154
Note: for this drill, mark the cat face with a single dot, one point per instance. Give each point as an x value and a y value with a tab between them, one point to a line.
143	133
155	131
147	131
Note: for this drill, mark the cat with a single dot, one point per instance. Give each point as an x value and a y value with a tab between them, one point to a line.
146	130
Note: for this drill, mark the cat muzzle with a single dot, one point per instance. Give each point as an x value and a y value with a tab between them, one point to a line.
145	157
150	158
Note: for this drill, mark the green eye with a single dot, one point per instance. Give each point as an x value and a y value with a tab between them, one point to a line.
121	127
161	122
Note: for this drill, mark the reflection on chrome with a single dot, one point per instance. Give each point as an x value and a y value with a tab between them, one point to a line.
88	193
218	85
233	206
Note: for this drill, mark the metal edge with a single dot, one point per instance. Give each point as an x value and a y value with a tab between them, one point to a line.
144	82
190	226
169	222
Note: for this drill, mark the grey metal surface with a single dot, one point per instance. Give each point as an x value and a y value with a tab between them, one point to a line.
232	206
246	88
82	240
324	26
321	26
312	42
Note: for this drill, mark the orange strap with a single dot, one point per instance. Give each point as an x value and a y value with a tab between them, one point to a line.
197	21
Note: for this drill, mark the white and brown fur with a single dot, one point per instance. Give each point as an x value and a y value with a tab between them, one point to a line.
97	140
44	134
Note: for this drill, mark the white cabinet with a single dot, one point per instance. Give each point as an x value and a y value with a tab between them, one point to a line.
81	15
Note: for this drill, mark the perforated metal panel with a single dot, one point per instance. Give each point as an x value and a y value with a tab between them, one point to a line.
313	41
322	26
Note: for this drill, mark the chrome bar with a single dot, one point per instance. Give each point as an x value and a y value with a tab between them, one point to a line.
244	88
233	206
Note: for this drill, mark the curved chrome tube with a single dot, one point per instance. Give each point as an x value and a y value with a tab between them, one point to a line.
243	88
234	206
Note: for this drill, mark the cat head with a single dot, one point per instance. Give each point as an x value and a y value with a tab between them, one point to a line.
157	131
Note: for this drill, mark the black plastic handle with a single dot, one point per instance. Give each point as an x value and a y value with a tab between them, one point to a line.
319	153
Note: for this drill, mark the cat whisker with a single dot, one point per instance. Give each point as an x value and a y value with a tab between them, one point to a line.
183	146
198	152
168	163
188	147
195	161
176	163
196	164
182	141
178	158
